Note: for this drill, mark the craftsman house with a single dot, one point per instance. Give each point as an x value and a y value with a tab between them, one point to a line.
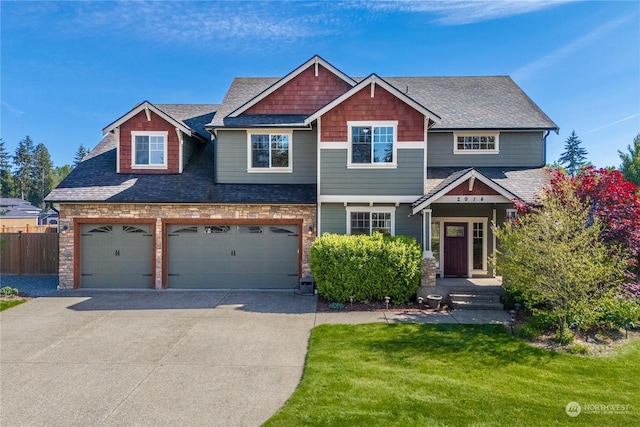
233	195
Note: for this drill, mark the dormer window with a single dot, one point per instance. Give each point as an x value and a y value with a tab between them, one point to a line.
476	143
149	149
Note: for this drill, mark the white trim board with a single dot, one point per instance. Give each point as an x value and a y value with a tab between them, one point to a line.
367	199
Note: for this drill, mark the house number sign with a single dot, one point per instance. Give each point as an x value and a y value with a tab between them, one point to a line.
470	199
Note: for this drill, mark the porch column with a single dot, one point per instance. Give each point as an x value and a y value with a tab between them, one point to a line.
426	234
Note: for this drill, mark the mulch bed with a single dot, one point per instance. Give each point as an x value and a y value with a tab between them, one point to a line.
411	307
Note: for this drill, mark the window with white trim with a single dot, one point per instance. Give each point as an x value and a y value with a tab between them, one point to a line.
149	149
372	143
368	220
269	152
476	142
512	214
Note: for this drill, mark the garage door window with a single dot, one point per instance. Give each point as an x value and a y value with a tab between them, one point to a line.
217	229
102	229
132	229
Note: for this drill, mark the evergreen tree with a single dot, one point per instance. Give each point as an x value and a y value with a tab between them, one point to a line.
6	179
41	176
60	173
630	166
574	156
23	160
81	153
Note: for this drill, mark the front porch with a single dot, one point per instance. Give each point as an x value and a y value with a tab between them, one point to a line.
472	293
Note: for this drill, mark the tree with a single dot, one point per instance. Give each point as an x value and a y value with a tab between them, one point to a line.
41	175
554	256
23	159
81	153
60	173
630	166
574	156
6	179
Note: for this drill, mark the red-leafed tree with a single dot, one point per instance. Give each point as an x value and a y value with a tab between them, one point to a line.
615	202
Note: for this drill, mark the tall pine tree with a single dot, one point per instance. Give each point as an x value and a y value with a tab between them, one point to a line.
7	185
574	156
81	153
41	176
630	166
23	160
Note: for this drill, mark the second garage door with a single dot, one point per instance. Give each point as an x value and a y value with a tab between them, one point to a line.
214	256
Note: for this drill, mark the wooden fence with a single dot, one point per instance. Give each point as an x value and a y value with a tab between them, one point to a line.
29	253
52	228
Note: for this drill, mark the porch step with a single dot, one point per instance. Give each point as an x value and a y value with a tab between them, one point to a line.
476	301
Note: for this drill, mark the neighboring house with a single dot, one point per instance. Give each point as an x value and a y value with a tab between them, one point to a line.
17	214
233	195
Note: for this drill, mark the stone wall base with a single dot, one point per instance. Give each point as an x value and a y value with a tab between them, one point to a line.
428	278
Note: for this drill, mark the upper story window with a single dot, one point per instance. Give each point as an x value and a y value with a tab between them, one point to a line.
149	149
476	142
372	144
368	220
270	152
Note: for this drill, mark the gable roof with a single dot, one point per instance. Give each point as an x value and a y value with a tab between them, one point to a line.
314	61
475	102
512	183
461	103
373	79
189	118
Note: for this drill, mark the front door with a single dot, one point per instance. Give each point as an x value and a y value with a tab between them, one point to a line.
456	263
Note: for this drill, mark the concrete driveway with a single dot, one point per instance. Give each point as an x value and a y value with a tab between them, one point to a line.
152	357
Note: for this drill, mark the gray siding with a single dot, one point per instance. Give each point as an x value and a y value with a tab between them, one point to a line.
334	220
406	179
517	149
188	148
231	162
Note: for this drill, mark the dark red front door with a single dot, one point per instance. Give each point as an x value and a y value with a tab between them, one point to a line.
456	263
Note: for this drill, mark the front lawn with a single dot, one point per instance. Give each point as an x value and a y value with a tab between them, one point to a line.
458	375
6	304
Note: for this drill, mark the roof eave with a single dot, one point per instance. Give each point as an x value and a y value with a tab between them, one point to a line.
144	106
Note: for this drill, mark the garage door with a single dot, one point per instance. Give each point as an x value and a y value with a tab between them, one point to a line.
232	256
116	256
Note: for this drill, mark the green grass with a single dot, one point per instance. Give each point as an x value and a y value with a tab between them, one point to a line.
454	375
6	304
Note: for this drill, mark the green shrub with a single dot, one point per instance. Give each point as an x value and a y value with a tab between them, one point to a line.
529	332
564	336
8	291
367	268
578	349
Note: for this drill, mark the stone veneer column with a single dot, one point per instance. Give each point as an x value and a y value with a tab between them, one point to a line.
428	277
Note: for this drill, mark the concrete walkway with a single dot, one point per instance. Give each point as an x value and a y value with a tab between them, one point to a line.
398	316
165	358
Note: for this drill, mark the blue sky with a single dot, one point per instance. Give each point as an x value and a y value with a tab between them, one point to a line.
68	69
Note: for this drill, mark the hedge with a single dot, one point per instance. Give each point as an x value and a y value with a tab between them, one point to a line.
367	268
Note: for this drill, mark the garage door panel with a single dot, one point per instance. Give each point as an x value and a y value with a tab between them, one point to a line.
233	256
116	256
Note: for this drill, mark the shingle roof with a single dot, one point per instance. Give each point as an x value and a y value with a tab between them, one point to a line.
95	180
525	183
488	102
475	102
17	208
194	116
242	89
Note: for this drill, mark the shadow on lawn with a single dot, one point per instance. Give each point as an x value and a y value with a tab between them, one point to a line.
489	345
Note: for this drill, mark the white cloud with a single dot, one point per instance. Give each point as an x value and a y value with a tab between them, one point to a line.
557	55
460	12
11	108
